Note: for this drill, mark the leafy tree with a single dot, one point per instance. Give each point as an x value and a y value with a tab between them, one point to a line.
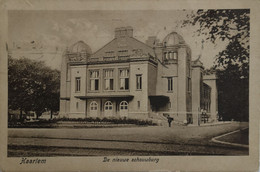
32	86
231	64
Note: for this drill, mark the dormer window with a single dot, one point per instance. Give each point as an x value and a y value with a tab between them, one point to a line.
123	54
110	54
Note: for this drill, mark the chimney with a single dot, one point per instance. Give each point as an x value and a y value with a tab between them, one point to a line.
124	32
129	31
117	32
152	41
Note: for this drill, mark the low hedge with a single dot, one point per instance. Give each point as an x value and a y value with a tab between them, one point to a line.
109	120
46	122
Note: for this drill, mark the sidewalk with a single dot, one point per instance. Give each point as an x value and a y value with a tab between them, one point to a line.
155	140
238	138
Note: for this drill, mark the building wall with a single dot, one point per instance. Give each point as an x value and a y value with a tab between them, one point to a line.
196	88
164	71
162	85
78	106
211	81
182	83
63	85
63	77
154	72
152	78
139	68
101	67
101	113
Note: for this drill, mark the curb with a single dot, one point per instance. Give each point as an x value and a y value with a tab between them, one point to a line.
214	139
209	124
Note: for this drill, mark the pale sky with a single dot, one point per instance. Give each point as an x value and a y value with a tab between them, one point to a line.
96	28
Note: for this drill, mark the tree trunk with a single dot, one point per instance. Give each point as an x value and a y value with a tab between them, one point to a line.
21	115
51	114
37	115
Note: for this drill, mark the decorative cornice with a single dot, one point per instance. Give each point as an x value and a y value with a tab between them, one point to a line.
115	61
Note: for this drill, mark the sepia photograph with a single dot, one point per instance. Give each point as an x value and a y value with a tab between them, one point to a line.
129	86
104	83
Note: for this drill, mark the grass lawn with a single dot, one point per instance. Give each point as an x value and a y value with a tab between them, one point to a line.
240	137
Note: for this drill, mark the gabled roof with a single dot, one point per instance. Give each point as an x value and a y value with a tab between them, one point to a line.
127	44
123	45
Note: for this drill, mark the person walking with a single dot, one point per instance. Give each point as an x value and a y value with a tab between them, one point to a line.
170	119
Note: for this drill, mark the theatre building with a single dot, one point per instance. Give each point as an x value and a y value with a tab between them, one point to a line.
129	78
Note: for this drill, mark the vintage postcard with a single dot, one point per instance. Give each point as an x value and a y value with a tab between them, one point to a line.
129	85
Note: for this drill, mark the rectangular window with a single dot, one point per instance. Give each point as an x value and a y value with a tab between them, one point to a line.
96	84
110	54
94	80
138	104
124	79
123	53
169	105
138	82
171	55
77	87
175	56
77	105
109	80
170	84
188	84
165	56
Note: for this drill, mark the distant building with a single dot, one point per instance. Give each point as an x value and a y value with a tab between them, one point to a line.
129	78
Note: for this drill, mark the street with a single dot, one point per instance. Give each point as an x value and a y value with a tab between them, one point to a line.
152	140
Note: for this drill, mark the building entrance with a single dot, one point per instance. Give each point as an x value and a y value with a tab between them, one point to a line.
108	109
93	109
123	107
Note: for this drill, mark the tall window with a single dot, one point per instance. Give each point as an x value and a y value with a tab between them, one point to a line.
138	104
188	84
169	105
166	56
124	79
94	80
138	82
77	87
109	81
170	84
175	56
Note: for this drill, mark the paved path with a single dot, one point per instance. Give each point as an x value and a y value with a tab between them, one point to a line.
178	140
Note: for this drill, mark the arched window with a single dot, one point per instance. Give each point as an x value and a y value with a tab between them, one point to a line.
93	105
123	105
108	105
